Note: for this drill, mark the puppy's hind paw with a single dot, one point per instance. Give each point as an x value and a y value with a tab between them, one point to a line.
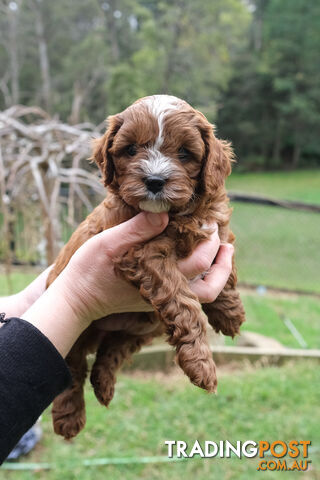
68	425
103	386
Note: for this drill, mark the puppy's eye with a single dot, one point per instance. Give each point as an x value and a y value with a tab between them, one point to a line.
131	150
184	154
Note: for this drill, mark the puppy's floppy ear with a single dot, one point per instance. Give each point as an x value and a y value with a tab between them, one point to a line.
217	159
101	149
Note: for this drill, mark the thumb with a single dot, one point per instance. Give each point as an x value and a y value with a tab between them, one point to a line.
138	229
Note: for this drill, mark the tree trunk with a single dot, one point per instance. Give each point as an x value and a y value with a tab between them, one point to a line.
297	146
51	220
7	96
43	56
112	31
257	24
170	55
277	144
78	95
5	209
13	54
296	155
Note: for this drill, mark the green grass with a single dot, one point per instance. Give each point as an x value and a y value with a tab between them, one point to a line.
300	185
277	247
258	404
265	315
18	281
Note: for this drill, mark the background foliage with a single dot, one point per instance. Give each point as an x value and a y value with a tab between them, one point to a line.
251	66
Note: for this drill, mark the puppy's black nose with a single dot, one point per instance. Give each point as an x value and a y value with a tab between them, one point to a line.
154	183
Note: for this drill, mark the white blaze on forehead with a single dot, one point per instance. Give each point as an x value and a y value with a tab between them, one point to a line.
157	164
160	106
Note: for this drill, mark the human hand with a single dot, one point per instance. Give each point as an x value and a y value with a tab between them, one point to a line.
88	289
209	267
210	257
109	293
89	283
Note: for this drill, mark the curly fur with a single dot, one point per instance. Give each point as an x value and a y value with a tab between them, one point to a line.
194	191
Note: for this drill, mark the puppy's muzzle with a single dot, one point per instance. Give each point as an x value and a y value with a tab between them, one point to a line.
154	183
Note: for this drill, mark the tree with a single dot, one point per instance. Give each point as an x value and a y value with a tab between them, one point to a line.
292	31
185	49
271	107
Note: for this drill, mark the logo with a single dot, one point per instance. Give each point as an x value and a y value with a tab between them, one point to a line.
287	456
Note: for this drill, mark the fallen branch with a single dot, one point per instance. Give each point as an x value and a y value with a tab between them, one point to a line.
242	197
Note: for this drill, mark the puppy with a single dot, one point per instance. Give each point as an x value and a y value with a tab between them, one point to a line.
158	155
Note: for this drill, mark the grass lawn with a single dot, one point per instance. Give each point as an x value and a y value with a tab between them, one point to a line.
300	185
277	247
257	404
265	315
19	279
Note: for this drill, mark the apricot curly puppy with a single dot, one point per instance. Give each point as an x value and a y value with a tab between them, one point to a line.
158	155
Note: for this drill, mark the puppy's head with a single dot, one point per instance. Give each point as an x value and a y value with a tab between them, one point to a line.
160	154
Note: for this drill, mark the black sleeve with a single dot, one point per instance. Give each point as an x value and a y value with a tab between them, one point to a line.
32	374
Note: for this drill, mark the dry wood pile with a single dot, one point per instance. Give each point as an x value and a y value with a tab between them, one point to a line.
43	166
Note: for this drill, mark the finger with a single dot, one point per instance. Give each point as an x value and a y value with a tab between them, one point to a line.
209	288
202	258
142	227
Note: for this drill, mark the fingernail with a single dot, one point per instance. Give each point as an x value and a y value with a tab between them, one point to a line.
155	219
230	247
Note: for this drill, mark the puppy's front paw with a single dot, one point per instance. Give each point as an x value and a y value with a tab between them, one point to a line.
197	363
103	384
226	313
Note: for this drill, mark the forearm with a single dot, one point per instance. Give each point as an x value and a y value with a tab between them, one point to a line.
13	306
16	305
55	317
32	374
51	314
